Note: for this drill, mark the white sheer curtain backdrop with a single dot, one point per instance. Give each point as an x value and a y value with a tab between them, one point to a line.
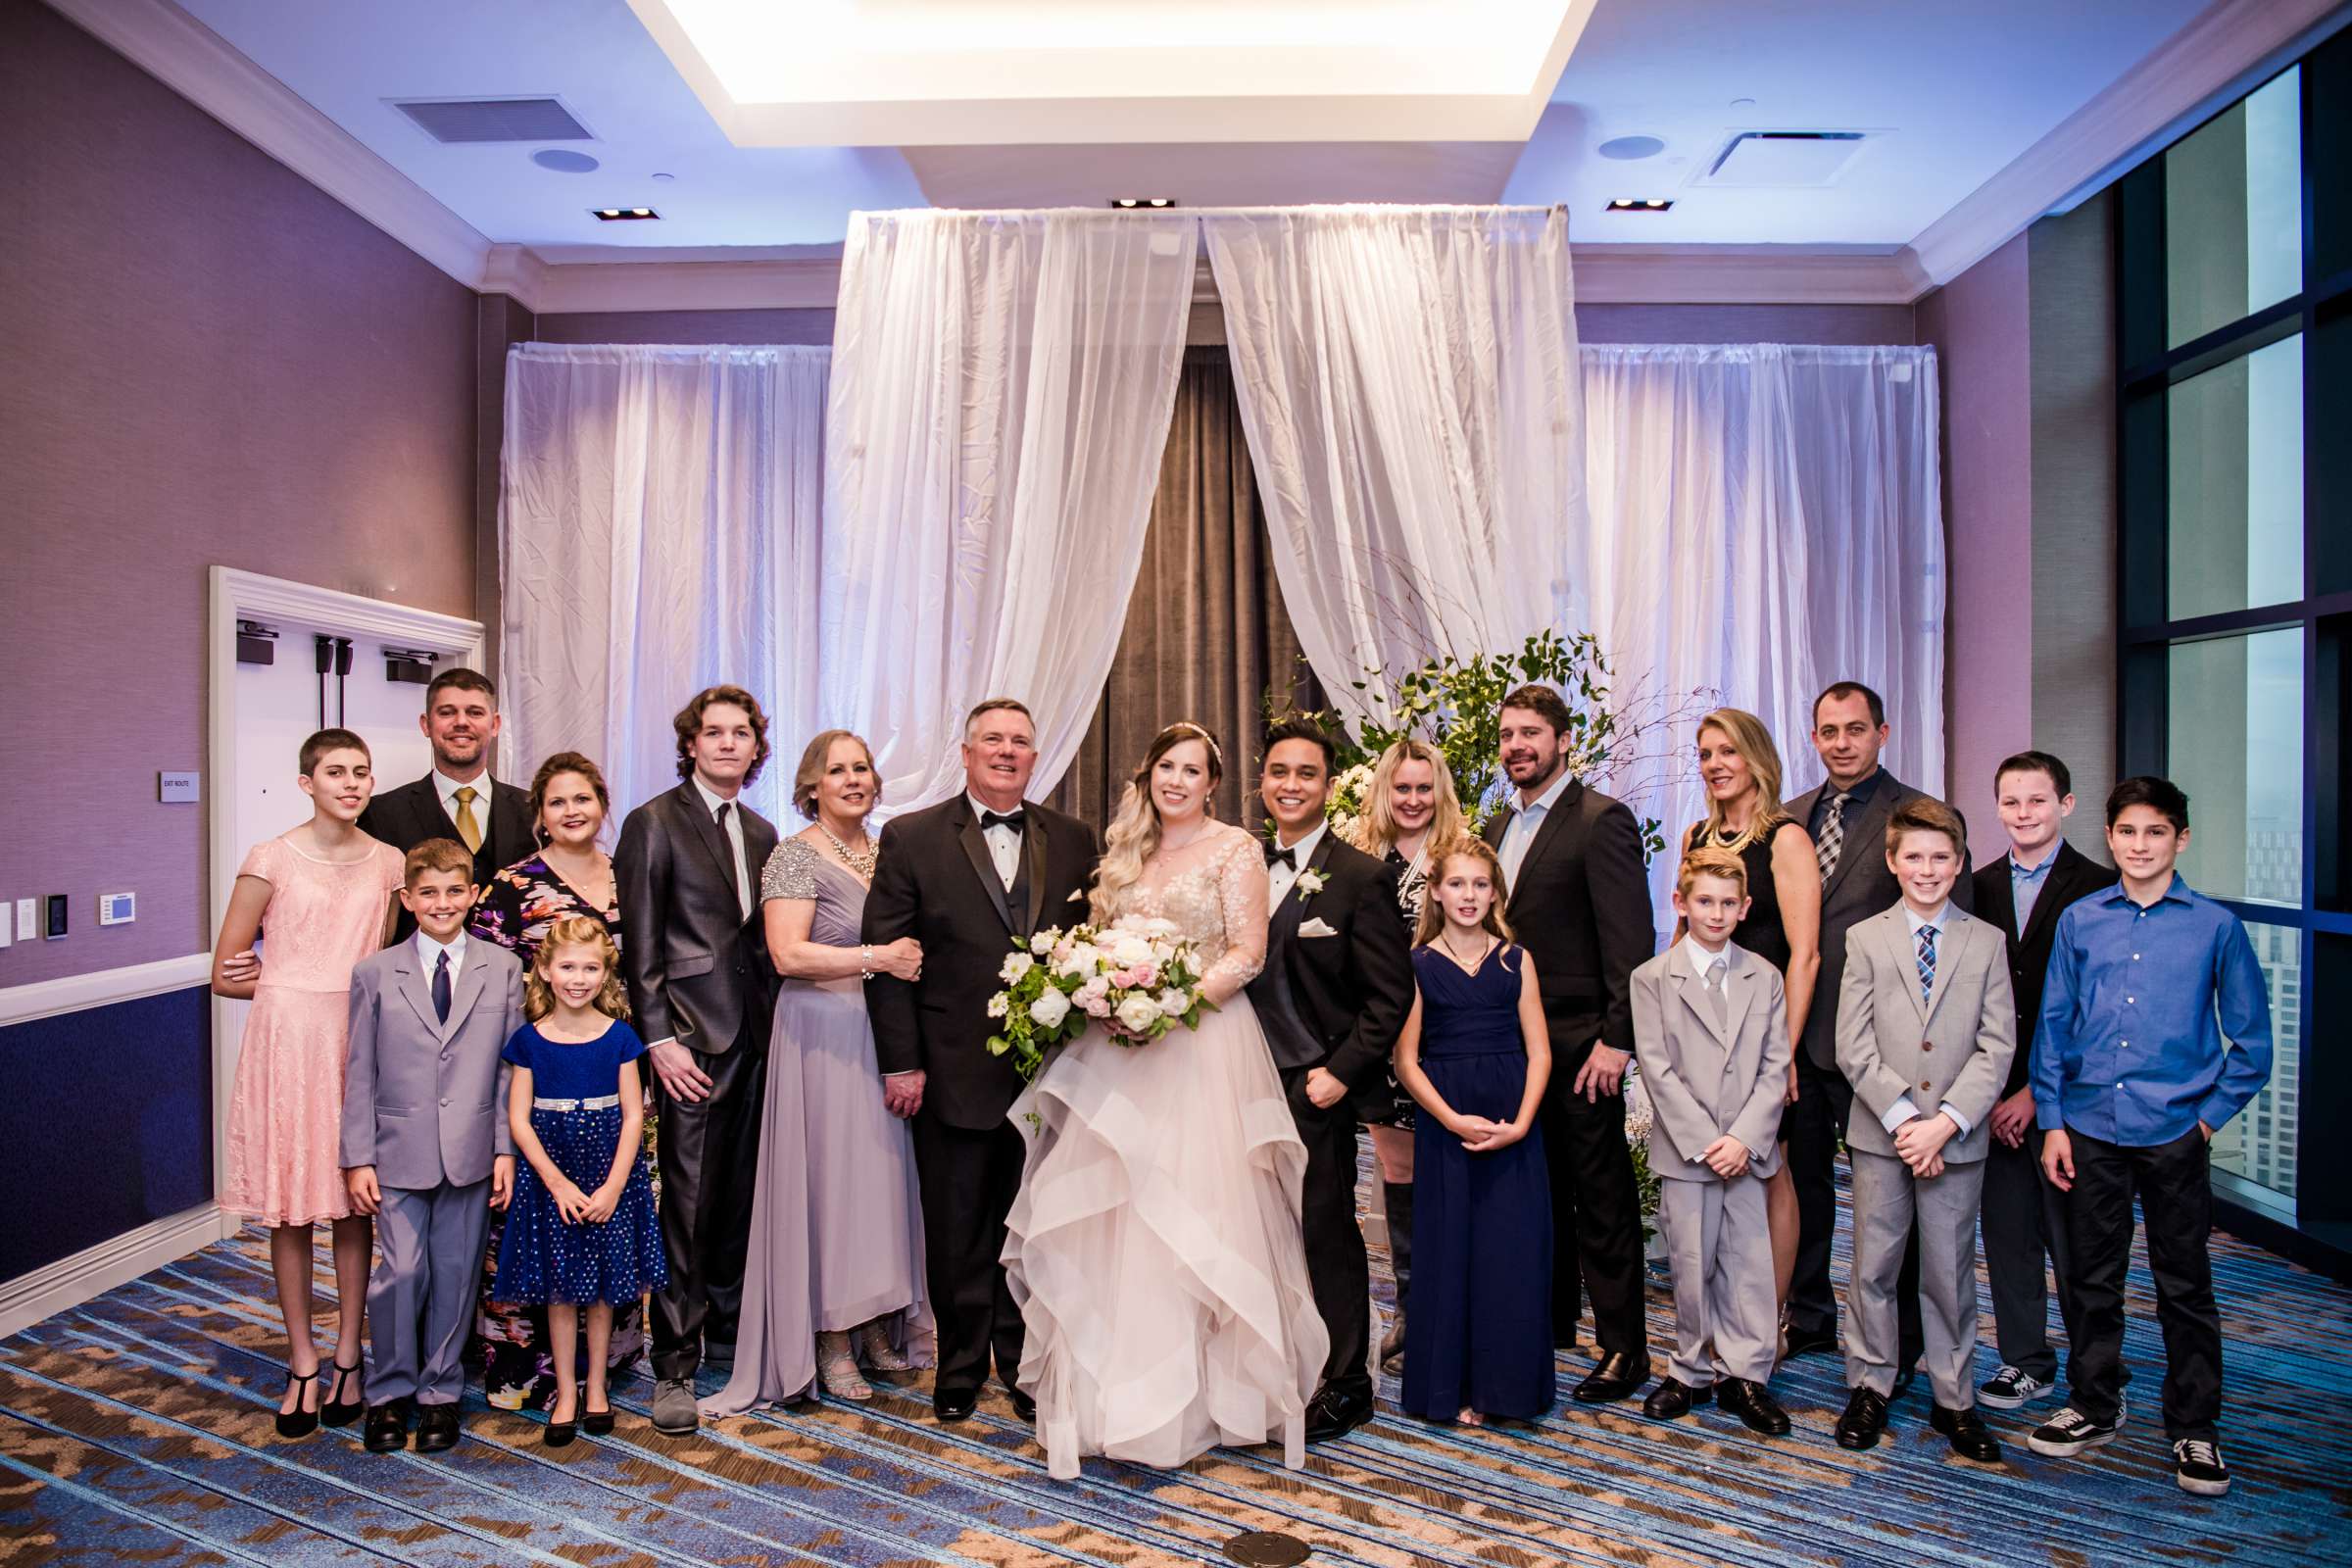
1767	519
658	521
1002	387
1408	377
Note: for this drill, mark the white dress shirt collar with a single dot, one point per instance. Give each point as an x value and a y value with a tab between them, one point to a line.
1701	959
1546	800
1304	849
428	952
712	802
1942	918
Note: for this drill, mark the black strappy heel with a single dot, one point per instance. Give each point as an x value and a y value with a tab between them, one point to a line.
298	1422
336	1413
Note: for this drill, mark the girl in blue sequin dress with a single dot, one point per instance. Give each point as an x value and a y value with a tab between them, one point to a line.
582	1231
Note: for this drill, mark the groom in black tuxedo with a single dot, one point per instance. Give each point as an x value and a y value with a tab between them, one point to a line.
1337	984
965	878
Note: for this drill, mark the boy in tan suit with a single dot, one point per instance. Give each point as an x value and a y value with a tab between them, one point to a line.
1926	1027
1711	1033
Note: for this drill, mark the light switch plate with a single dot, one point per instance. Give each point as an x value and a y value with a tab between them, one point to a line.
29	919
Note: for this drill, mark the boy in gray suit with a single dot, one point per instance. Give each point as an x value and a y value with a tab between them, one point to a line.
1711	1033
425	1145
1926	1027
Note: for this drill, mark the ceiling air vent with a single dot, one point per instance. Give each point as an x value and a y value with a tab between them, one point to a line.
1764	157
490	120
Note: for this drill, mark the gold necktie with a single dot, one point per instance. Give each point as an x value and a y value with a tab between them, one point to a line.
468	828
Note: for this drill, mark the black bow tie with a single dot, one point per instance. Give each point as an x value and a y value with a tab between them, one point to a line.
1018	820
1279	856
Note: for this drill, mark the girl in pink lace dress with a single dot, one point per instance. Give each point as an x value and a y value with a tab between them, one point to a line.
321	894
1156	1248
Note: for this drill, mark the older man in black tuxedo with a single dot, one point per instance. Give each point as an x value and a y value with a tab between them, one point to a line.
965	878
702	992
1337	984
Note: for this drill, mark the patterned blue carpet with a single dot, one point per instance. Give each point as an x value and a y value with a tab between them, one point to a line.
137	1430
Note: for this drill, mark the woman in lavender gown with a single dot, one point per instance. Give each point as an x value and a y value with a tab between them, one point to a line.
835	1272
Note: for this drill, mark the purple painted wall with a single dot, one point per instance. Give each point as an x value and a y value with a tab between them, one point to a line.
209	361
1982	328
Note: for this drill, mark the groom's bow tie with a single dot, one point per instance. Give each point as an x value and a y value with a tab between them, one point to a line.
1280	857
1016	819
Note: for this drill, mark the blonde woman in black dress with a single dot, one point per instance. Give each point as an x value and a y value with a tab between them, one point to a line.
1409	806
1742	771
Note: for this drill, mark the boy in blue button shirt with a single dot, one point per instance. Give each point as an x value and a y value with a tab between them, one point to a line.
2131	1082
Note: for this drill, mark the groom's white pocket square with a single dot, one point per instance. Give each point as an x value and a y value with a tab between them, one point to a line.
1316	928
1078	896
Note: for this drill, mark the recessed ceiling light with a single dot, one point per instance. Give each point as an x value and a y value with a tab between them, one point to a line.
1641	204
623	215
1140	203
563	161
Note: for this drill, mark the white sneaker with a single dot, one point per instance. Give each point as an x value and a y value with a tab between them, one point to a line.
2011	1387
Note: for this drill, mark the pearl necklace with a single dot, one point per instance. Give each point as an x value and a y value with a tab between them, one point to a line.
861	861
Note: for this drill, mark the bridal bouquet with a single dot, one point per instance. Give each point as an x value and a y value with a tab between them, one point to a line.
1139	977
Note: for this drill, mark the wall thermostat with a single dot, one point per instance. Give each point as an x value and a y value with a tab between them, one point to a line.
118	908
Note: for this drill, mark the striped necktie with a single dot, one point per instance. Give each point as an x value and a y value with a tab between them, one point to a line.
1926	962
1832	842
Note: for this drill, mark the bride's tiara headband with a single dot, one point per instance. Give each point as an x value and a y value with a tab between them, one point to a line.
1206	739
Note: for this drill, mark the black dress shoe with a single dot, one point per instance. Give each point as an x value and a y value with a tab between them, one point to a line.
1336	1412
596	1423
1754	1405
1673	1398
1022	1404
437	1428
1970	1439
955	1404
1810	1342
1615	1376
299	1422
1864	1420
387	1429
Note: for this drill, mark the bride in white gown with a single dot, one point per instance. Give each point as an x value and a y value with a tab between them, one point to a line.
1155	1248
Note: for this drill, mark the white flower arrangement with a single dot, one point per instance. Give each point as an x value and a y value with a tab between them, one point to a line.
1309	883
1138	974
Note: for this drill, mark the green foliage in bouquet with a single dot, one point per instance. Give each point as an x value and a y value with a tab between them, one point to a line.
1455	703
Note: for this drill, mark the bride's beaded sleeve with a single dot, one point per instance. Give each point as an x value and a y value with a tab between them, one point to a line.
1241	901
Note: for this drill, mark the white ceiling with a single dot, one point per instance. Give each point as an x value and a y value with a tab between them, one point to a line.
1215	101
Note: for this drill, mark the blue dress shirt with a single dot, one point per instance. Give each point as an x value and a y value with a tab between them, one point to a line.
2129	1052
2026	883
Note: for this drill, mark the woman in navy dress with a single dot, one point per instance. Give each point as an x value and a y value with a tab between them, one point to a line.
1475	1055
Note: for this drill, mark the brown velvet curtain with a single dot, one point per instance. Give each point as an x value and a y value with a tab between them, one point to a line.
1206	634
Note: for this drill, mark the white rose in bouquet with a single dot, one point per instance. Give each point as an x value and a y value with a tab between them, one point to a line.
1174	1003
1050	1009
1131	951
1138	1012
1043	943
1081	961
1017	964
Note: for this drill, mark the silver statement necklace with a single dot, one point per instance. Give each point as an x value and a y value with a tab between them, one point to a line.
861	860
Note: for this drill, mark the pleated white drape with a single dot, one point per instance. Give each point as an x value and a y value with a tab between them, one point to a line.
1408	380
659	522
1767	519
1002	387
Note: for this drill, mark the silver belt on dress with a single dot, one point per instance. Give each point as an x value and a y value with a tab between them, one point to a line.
600	1103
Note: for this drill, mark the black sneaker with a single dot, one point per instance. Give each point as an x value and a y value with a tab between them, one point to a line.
2069	1432
2197	1465
2012	1386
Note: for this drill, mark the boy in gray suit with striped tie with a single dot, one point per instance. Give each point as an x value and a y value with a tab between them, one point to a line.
425	1145
1926	1027
1711	1033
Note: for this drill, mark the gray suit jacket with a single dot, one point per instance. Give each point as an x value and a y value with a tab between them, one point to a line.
1706	1079
1955	1046
1860	889
426	1101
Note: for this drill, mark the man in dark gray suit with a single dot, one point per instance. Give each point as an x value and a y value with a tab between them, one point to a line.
702	992
1847	816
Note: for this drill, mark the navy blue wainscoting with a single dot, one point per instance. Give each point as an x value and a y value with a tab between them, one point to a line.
106	1124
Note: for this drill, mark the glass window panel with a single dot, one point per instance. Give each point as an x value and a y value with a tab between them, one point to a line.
2258	1144
2234	738
2235	440
2234	213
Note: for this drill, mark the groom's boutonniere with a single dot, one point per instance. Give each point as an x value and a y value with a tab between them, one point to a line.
1310	883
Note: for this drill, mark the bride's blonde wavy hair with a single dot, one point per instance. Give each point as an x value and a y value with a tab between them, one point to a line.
1134	833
